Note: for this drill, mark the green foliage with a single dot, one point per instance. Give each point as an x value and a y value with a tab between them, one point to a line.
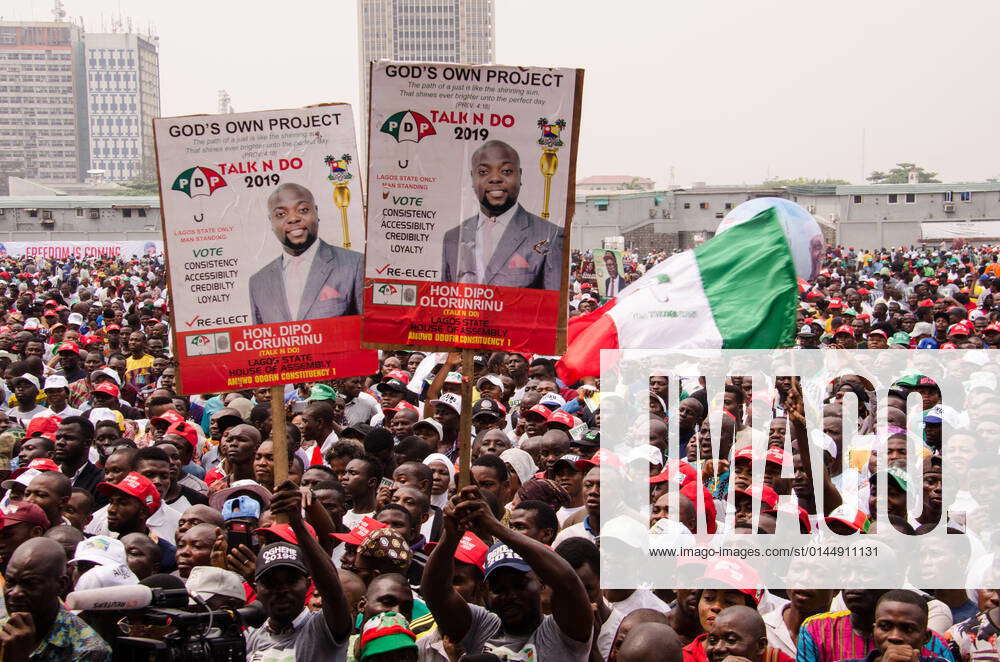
801	181
901	175
141	188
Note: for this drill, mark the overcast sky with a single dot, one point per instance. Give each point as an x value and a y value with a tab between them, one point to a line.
722	92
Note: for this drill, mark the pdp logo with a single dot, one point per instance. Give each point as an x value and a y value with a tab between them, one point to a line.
198	180
407	125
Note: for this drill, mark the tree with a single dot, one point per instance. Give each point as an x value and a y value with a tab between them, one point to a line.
802	181
141	188
901	175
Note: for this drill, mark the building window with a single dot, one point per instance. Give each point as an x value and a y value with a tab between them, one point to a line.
966	196
687	205
126	213
703	205
79	211
949	196
857	199
911	197
719	214
729	206
142	213
601	206
32	213
893	198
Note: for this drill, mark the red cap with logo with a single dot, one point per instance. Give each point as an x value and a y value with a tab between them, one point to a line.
137	486
184	429
43	426
844	328
401	375
108	388
357	535
541	410
285	532
560	417
169	417
68	347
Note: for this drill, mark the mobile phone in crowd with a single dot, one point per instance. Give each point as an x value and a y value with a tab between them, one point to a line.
239	533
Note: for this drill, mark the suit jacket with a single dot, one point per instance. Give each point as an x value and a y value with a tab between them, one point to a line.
529	254
621	285
334	288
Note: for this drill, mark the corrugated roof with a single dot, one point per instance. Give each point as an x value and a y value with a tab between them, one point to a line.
73	201
612	179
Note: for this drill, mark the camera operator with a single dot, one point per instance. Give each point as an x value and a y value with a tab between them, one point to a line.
282	577
39	626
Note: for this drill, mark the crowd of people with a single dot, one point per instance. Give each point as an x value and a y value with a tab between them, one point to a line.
370	549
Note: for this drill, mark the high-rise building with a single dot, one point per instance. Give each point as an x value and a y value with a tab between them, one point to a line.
123	97
428	30
43	128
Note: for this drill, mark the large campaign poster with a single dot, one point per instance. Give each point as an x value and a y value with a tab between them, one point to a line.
609	271
471	182
264	236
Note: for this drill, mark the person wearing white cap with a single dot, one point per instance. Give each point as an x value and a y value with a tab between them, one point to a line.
57	395
218	588
448	412
97	551
26	388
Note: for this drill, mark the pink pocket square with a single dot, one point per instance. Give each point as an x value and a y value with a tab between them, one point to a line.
328	293
517	261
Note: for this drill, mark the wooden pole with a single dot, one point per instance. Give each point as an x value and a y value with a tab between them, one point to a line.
465	422
279	440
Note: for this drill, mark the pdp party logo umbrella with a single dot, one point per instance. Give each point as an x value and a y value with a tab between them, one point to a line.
408	125
198	180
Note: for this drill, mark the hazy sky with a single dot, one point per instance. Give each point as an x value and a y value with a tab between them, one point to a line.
723	92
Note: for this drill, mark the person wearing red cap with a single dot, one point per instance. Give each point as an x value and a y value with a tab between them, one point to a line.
22	521
69	362
132	502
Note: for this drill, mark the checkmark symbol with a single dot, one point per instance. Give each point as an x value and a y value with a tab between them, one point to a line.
196	318
382	270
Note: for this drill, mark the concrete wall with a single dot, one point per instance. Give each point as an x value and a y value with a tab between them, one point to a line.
67	225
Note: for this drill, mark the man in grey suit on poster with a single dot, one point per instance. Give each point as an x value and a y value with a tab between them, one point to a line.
311	279
503	244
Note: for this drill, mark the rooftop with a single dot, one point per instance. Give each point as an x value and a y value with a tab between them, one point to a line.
612	179
73	201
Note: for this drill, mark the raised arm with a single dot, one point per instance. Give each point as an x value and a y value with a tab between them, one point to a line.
287	501
797	419
451	613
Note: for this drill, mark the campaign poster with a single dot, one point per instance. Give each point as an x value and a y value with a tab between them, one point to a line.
610	272
264	236
471	182
81	250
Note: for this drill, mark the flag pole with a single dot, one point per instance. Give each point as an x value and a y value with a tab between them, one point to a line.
465	422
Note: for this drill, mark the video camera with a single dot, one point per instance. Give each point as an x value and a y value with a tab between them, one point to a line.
205	636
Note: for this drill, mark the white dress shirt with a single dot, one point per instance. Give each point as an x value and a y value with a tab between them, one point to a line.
295	272
489	230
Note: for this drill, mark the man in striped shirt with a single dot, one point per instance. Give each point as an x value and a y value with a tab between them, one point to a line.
848	634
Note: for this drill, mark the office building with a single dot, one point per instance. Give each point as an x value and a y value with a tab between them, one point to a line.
423	30
123	97
43	128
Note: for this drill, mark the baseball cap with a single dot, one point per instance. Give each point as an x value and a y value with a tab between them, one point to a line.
106	576
561	418
168	417
385	633
992	326
279	555
450	400
958	330
502	556
878	332
927	343
922	329
552	400
322	392
766	494
285	532
101	414
925	303
430	422
357	535
55	381
392	384
102	550
27	377
487	407
589	439
69	346
851	517
844	328
471	550
206	581
43	426
111	374
184	429
19	477
39	464
137	486
735	574
241	486
569	459
677	472
897	474
491	379
75	318
29	513
900	338
108	388
541	410
835	303
807	331
240	506
453	378
112	327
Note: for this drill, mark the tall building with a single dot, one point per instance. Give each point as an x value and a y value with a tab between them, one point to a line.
427	30
123	97
43	128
